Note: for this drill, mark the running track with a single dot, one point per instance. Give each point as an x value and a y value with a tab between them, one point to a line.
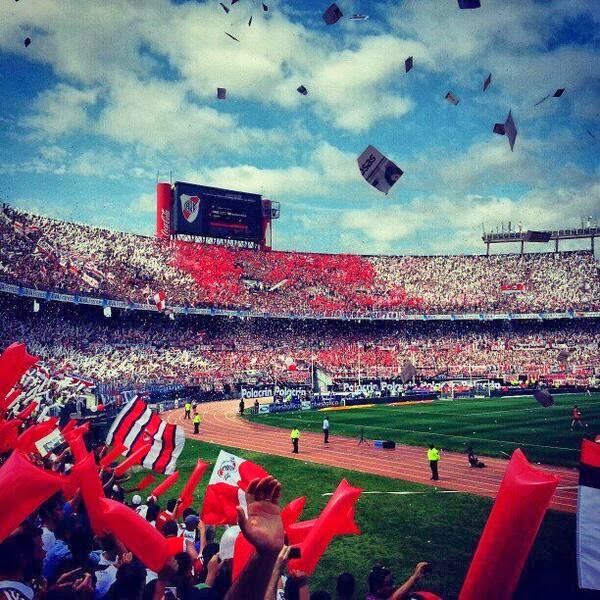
222	426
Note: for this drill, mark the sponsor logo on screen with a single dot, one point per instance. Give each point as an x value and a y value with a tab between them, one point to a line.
190	206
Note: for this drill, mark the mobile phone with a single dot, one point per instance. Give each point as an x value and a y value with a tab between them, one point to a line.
294	552
427	568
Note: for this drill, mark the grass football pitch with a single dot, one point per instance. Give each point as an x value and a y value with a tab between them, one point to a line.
493	426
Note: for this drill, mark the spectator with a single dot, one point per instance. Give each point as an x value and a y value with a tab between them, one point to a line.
345	587
381	583
19	563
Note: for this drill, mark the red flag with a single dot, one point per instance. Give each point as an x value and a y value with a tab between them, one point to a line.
226	488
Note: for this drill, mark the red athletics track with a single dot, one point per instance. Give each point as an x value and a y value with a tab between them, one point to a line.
221	425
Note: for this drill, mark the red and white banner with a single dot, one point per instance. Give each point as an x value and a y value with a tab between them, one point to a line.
226	488
160	300
512	288
136	425
588	517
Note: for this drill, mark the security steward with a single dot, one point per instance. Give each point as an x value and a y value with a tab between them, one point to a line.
196	421
295	437
188	410
433	455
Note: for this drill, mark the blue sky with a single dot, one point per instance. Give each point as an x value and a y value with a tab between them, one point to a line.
108	93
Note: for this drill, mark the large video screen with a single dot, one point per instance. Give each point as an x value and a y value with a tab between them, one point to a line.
214	212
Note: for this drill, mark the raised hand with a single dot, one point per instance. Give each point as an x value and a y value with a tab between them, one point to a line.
263	526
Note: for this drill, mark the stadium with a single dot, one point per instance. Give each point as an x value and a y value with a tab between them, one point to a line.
210	392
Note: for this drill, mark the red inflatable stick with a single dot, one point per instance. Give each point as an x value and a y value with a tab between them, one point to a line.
117	450
297	532
85	472
77	445
144	483
291	512
9	399
510	531
82	428
336	518
161	488
176	544
136	533
71	424
23	488
187	493
27	411
135	458
26	441
9	432
14	362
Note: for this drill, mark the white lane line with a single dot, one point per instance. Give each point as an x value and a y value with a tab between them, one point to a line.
412	493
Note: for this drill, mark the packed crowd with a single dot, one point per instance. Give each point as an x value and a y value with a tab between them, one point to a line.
57	255
141	347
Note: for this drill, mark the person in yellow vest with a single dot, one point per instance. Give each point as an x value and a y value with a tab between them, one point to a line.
196	421
433	455
295	437
188	410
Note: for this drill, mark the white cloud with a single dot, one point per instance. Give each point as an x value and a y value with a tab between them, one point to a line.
53	153
352	86
61	110
329	169
445	223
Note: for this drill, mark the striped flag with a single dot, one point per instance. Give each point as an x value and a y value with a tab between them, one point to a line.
137	425
79	380
159	300
588	517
